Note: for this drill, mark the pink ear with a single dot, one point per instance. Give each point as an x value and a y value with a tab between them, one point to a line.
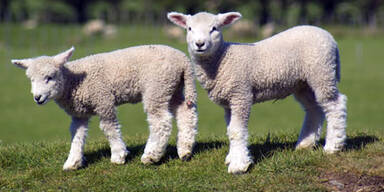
228	18
178	19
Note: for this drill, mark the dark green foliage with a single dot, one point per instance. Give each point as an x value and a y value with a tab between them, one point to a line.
283	12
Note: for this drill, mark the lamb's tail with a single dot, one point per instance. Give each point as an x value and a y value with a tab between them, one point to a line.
190	93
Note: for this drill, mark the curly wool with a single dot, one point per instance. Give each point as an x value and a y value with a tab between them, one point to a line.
258	69
159	76
303	61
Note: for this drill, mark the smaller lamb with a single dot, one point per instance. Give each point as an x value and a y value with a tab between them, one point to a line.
303	61
94	85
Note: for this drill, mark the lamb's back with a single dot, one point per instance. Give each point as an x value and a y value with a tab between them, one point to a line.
126	72
279	64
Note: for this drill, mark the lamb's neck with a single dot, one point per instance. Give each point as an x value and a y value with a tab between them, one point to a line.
207	67
72	82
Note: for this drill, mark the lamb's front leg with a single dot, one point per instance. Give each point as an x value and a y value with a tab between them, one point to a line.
78	129
238	159
111	129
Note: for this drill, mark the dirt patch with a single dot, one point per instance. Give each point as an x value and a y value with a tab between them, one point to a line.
349	182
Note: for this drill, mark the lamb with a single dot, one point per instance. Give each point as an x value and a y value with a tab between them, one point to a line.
303	61
157	75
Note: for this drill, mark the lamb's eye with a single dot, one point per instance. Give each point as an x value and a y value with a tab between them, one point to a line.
213	29
48	78
189	29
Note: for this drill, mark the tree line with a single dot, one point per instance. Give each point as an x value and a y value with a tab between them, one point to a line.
283	12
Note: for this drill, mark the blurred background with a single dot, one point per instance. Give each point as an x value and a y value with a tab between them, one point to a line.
260	12
30	28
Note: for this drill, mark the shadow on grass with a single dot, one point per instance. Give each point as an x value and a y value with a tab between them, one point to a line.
105	152
171	152
200	147
258	151
266	150
356	142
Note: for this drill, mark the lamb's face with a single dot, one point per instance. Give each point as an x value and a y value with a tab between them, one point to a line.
45	73
46	79
204	35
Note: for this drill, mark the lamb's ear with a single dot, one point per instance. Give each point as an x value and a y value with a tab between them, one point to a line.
63	57
228	18
178	19
22	63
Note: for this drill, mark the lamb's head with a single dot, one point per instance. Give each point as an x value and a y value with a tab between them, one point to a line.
45	73
204	35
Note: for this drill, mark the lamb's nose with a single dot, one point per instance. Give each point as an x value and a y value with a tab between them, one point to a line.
199	45
37	98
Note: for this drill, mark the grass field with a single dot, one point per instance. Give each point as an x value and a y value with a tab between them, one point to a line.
34	140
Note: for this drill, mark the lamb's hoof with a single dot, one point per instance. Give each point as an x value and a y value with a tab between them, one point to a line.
332	150
185	153
186	156
72	164
149	159
239	165
305	145
119	158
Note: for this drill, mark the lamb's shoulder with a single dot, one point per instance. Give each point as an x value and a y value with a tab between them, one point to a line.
85	85
77	101
230	76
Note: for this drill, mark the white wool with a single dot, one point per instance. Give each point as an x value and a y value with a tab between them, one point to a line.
303	61
159	76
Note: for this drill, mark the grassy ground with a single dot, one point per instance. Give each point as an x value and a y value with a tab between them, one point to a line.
34	140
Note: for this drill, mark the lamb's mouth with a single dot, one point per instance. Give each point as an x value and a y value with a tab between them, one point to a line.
41	101
200	50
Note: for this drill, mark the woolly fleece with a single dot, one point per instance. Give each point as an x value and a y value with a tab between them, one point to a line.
157	75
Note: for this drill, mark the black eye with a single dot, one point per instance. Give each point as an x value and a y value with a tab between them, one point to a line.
213	29
189	28
48	78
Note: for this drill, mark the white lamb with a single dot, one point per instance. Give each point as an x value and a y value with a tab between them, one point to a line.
302	61
94	85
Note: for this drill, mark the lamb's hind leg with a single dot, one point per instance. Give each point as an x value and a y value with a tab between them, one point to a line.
313	121
186	118
160	127
336	113
111	129
238	158
78	129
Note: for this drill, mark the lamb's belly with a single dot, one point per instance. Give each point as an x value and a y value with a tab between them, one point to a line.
77	109
271	94
219	98
127	93
128	98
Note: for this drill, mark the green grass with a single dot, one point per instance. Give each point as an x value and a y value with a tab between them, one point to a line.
34	140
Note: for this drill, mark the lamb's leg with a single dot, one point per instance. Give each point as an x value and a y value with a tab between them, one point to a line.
313	121
336	115
227	118
238	158
111	129
78	129
160	127
186	118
